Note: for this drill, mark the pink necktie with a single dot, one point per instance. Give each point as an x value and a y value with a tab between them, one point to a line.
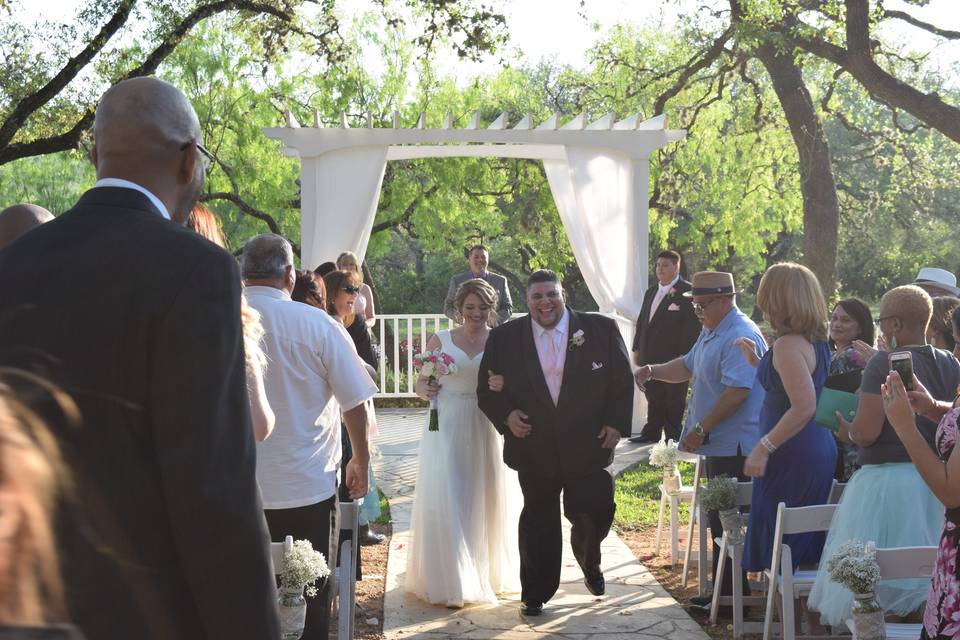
553	376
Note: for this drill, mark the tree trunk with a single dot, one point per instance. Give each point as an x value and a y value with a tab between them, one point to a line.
821	209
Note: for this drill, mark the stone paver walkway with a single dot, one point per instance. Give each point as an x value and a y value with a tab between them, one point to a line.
635	605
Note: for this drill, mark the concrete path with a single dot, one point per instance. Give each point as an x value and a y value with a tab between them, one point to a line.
635	605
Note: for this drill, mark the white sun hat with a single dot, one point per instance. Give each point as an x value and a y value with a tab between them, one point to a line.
940	278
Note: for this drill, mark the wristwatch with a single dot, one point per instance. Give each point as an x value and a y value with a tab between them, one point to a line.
697	429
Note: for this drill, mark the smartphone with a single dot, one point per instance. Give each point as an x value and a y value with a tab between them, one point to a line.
902	363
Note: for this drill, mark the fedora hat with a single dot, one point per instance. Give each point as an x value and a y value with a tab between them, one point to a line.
709	283
940	278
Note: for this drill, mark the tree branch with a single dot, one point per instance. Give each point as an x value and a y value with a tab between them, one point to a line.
250	210
69	140
920	24
29	104
705	60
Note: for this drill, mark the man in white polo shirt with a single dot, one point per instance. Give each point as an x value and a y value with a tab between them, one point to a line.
313	374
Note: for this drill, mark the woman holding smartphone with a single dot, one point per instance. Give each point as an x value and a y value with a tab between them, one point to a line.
886	500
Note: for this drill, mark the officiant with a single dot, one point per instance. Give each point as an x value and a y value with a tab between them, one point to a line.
666	328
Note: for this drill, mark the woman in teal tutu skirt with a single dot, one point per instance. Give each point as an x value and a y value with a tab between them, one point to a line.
795	459
886	500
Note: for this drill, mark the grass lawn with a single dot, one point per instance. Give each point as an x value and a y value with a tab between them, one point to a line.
638	496
384	508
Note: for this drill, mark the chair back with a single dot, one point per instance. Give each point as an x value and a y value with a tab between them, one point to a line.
277	551
906	562
836	492
817	517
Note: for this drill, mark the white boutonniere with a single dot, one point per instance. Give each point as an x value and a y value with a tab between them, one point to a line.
577	339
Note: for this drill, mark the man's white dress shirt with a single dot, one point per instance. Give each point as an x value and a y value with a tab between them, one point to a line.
662	291
313	371
126	184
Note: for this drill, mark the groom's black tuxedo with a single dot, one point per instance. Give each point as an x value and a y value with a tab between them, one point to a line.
562	452
597	390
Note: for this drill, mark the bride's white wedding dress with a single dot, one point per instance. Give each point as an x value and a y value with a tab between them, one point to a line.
463	542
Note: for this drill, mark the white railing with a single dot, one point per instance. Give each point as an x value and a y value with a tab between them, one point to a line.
413	330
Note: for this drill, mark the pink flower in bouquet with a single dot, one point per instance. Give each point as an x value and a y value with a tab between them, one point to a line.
442	369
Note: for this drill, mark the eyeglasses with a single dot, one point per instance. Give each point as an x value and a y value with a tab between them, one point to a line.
700	306
351	289
206	158
879	321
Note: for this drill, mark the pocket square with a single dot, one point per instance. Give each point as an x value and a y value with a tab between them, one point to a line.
597	365
673	307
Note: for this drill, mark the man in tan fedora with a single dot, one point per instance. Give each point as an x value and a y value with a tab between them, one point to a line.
723	414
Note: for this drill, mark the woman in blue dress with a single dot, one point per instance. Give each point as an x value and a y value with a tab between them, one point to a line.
795	459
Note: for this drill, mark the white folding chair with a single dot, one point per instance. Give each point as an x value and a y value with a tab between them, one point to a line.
344	586
895	564
685	494
786	582
277	551
698	523
735	553
836	492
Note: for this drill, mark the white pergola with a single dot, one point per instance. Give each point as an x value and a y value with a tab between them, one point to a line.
598	174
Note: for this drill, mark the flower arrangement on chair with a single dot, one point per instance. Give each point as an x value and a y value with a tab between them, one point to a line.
854	566
720	494
302	567
664	455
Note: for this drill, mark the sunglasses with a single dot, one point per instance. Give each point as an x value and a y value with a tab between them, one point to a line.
351	289
206	158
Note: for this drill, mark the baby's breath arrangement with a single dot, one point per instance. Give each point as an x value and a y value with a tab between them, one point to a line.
853	566
664	455
302	565
719	494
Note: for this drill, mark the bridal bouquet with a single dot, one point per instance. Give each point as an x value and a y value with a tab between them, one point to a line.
432	365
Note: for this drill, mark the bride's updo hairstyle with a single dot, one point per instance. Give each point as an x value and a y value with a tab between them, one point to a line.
486	293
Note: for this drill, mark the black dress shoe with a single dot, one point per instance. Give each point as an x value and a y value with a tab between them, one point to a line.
531	608
701	601
369	538
595	584
643	440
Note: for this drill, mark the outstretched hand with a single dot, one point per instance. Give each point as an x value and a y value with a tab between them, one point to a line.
899	404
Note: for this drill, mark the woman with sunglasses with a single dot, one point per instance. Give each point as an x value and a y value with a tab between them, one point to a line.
343	289
363	306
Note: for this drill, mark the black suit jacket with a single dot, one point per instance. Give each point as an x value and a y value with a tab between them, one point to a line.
669	333
139	320
597	390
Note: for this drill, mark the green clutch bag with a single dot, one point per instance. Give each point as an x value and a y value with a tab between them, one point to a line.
831	401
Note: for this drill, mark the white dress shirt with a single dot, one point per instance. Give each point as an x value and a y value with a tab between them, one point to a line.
313	371
552	351
662	291
126	184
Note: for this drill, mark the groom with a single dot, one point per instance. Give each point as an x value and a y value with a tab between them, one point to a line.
567	401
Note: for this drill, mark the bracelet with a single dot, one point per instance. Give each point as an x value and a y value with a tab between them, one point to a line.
769	446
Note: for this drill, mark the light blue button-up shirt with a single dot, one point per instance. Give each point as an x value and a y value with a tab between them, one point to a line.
718	364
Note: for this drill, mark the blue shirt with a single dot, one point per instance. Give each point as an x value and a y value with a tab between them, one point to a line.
718	364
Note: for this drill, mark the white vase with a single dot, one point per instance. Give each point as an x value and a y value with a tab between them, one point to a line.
868	617
671	481
293	613
732	525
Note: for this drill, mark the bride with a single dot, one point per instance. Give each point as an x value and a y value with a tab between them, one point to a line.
463	543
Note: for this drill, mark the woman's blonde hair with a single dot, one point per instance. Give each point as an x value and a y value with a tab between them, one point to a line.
791	297
356	261
31	482
482	289
255	358
910	304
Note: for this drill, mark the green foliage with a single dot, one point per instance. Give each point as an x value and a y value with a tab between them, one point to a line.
638	497
719	494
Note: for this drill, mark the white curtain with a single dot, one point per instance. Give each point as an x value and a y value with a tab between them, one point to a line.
344	204
594	192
